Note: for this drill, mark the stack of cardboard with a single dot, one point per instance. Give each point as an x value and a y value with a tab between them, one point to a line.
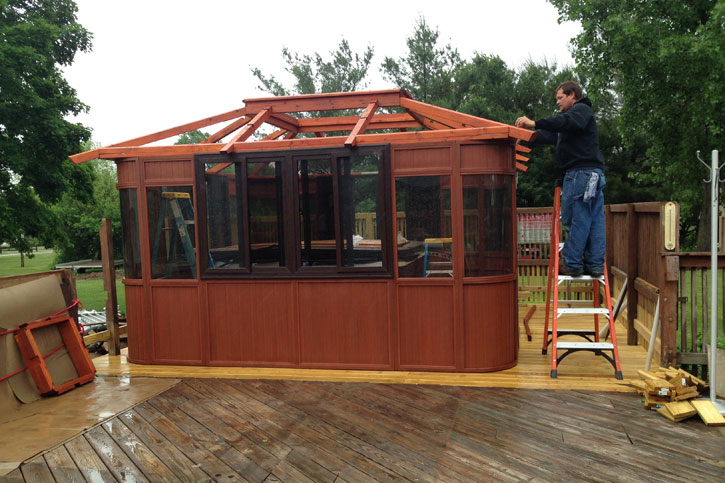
669	391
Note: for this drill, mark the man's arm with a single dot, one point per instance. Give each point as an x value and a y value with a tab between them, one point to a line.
574	119
543	136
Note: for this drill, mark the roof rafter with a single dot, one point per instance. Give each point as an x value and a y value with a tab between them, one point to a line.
230	128
362	124
166	133
247	130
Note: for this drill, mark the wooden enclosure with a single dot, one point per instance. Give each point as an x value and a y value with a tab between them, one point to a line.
367	246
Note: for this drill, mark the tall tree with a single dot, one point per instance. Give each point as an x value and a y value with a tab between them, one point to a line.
76	233
344	71
666	60
37	38
426	71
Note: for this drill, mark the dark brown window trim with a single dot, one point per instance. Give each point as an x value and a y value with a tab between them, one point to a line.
293	268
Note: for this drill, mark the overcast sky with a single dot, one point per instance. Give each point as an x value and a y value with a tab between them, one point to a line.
160	63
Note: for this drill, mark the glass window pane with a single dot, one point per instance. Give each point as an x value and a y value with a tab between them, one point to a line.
223	227
129	227
488	224
266	221
424	239
317	212
171	229
360	210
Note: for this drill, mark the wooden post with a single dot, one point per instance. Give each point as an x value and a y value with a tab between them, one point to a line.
668	276
109	285
632	272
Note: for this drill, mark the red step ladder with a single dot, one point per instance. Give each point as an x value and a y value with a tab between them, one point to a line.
561	349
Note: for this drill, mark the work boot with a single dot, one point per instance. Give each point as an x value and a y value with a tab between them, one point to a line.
563	270
595	272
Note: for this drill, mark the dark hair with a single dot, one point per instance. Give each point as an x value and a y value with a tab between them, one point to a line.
570	86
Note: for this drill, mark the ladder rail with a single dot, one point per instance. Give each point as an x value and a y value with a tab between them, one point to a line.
561	350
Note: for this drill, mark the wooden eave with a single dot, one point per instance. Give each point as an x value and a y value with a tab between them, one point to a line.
438	124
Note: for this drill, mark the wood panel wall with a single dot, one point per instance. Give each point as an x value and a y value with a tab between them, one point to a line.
384	324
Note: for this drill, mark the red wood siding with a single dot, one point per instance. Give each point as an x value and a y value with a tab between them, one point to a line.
138	347
421	159
426	331
252	323
181	171
127	172
489	326
489	156
176	334
344	323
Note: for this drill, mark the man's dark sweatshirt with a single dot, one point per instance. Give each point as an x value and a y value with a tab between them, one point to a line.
576	137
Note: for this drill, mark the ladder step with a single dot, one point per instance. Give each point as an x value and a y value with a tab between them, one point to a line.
561	332
594	346
589	311
581	278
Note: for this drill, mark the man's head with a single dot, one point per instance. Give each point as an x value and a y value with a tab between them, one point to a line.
567	94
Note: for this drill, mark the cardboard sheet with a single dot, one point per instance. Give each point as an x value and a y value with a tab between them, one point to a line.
24	303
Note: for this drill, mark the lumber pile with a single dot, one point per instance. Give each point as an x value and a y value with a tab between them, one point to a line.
672	392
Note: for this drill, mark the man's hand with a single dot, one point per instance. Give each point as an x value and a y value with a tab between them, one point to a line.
524	121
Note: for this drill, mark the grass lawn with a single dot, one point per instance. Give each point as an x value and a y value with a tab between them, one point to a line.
90	292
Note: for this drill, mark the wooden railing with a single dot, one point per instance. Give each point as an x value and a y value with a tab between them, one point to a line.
693	295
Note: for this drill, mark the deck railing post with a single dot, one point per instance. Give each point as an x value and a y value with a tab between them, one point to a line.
667	278
632	271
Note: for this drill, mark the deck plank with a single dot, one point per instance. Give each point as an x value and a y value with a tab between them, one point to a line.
276	430
62	466
182	467
88	462
113	456
143	457
36	471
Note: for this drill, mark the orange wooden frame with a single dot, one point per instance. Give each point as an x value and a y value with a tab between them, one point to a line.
439	124
35	361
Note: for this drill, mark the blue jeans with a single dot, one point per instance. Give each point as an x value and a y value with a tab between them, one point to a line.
584	219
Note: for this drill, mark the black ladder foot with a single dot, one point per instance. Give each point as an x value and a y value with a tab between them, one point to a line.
553	374
618	375
544	351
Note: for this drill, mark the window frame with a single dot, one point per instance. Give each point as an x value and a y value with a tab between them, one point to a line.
293	238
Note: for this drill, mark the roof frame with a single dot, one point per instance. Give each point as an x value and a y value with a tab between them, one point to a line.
439	124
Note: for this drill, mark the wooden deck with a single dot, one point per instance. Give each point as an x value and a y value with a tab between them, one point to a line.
250	424
252	430
580	371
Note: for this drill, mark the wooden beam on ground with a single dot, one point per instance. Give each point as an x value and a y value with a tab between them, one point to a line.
247	130
228	129
326	102
109	285
362	124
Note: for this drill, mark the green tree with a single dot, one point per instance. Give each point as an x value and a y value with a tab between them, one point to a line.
79	220
192	137
666	62
36	40
426	71
345	71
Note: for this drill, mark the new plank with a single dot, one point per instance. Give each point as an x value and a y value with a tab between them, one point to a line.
709	413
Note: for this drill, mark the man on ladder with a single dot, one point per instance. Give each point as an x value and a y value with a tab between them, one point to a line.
574	131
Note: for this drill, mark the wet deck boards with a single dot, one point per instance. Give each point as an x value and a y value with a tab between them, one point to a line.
271	430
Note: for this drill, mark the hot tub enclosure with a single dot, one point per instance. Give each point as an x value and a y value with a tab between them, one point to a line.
358	240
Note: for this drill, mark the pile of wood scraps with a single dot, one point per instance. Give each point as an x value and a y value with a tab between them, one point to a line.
672	392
